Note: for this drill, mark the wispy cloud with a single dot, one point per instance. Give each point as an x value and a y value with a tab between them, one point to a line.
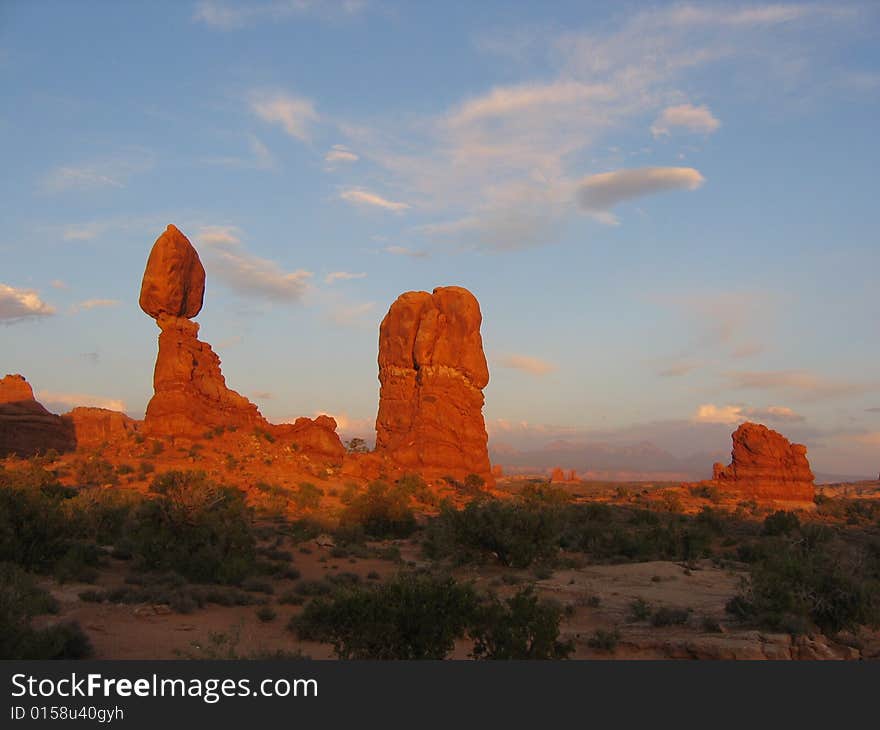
342	276
405	251
59	401
227	16
95	175
799	383
366	198
246	273
685	116
677	370
350	315
597	194
95	304
526	363
18	305
259	157
295	114
711	413
339	153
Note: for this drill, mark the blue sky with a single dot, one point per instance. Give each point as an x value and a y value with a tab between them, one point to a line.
665	210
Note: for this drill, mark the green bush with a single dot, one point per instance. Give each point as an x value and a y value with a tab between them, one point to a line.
414	616
381	512
95	472
818	579
781	523
604	640
307	496
195	527
516	535
520	627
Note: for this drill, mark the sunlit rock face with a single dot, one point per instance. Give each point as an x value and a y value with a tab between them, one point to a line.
766	466
432	372
190	393
26	427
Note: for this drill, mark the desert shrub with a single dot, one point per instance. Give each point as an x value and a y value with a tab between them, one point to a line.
291	598
20	600
266	614
514	534
257	585
313	588
412	485
196	528
520	627
414	616
640	609
817	579
34	532
356	446
382	512
667	616
307	496
474	483
604	640
781	523
102	515
95	472
544	494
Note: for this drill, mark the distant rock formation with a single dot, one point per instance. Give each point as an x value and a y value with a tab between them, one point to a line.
26	428
94	426
766	466
190	393
558	475
315	436
432	371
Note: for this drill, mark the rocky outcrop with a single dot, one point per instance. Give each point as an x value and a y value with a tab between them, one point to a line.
26	427
313	436
766	466
559	475
432	372
92	427
190	393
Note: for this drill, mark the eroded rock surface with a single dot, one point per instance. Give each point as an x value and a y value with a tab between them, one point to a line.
432	371
26	427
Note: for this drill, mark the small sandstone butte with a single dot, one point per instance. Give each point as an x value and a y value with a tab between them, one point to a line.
174	280
26	427
314	436
432	372
766	466
190	393
94	426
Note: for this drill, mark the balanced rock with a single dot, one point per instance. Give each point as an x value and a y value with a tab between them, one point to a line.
94	426
766	466
26	427
190	393
432	372
174	280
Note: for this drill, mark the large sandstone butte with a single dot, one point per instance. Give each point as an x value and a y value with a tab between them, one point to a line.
92	427
26	427
432	372
190	393
766	466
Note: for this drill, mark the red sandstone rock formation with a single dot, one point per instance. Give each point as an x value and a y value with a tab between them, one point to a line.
432	372
557	475
316	436
94	426
191	396
765	466
497	471
26	428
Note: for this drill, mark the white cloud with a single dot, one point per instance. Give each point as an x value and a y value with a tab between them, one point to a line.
405	251
227	16
260	157
528	364
798	383
95	304
340	153
17	305
728	414
365	197
685	116
342	276
246	273
294	113
60	401
597	194
110	173
58	284
219	235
